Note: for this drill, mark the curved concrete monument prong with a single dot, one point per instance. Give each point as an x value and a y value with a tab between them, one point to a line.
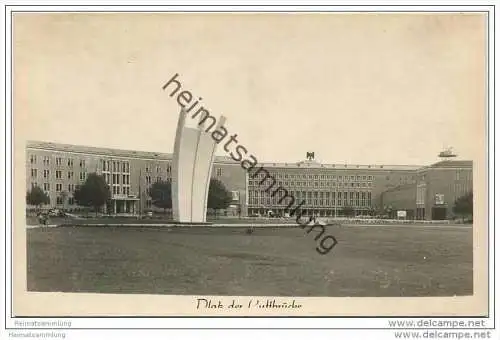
194	152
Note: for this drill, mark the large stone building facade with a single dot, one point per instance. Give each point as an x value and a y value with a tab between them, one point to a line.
59	168
425	192
326	189
433	194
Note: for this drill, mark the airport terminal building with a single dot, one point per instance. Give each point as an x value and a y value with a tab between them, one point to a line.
326	189
59	168
433	195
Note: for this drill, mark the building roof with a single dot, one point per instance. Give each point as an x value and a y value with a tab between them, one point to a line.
307	164
452	164
109	151
339	166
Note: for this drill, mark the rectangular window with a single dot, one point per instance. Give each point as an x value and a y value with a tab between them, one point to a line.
46	173
59	200
70	162
46	186
46	160
58	161
58	174
58	187
70	174
34	173
83	176
33	159
82	163
218	172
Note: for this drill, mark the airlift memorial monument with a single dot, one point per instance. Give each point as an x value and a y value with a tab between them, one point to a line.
194	152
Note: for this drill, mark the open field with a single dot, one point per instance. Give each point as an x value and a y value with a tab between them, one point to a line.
367	261
157	220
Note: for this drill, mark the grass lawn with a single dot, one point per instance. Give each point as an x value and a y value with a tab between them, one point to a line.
367	261
157	220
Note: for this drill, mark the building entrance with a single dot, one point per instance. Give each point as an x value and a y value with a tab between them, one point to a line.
439	213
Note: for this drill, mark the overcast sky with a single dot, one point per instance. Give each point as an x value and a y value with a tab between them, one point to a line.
380	89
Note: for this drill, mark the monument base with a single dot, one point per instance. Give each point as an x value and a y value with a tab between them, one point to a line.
191	224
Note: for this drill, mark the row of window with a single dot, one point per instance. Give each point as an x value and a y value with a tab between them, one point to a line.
114	166
158	179
59	187
116	178
158	168
315	194
324	177
314	184
313	202
59	200
125	190
58	174
59	161
105	165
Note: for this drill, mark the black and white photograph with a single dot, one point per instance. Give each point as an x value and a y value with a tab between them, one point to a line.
250	163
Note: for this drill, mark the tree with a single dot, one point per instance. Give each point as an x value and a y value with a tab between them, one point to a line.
93	193
218	196
36	196
464	205
161	195
347	211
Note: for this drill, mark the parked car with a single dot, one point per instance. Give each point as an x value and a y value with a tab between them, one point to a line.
56	213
